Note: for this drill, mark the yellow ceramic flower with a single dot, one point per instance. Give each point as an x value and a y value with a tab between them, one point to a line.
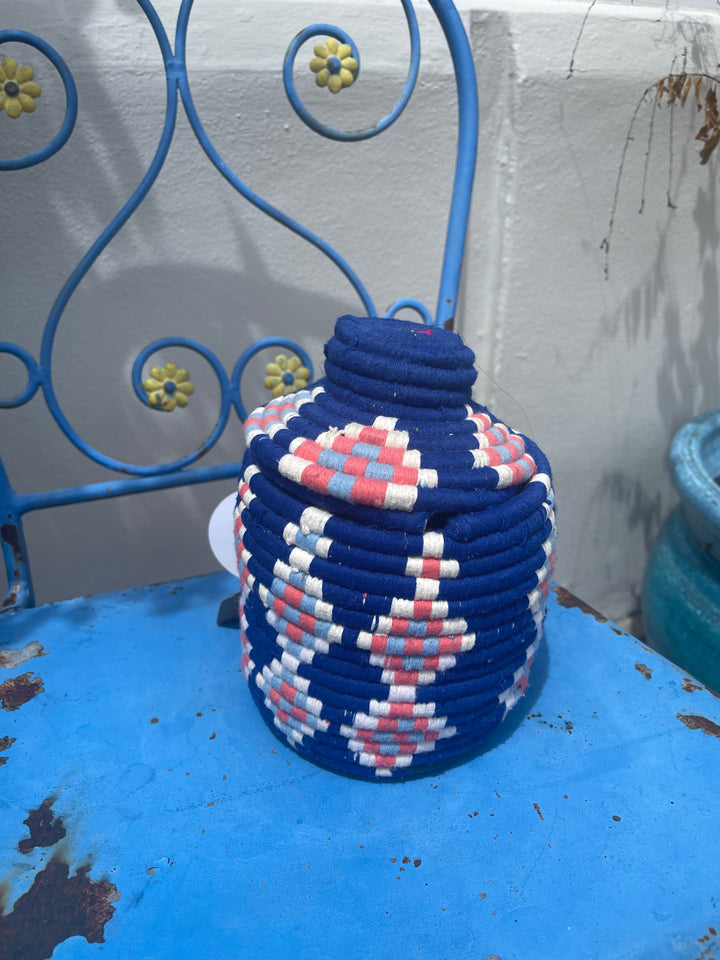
168	387
333	65
286	375
18	90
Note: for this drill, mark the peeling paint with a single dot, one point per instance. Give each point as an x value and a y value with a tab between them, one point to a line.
644	670
570	601
17	691
5	744
55	908
689	686
694	722
45	828
13	658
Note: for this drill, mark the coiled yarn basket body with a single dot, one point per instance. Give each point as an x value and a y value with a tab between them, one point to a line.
396	544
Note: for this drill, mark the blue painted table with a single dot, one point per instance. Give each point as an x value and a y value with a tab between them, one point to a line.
145	802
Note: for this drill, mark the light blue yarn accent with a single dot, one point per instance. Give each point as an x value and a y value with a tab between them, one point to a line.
368	451
340	486
307	541
380	471
332	460
308	605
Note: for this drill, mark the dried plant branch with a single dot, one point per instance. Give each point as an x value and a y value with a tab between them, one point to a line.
671	158
605	245
676	87
579	38
649	147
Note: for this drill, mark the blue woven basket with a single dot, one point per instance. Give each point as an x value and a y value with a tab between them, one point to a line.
396	544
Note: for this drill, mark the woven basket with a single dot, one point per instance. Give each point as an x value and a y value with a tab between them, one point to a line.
396	544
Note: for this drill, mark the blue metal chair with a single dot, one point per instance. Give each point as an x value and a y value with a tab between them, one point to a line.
145	806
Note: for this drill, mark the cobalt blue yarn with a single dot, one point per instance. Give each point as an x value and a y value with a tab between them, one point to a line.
396	544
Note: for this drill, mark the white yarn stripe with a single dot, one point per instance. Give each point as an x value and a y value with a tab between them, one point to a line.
423	677
369	760
382	708
433	544
306	653
300	683
426	589
403	693
300	559
313	520
536	601
427	478
543	572
449	569
480	458
291	735
352	430
544	479
292	467
412	458
506	477
396	438
513	693
291	662
295	443
275	427
400	497
385	423
405	609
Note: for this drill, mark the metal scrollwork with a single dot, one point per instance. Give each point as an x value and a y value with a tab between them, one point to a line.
336	65
327	30
31	91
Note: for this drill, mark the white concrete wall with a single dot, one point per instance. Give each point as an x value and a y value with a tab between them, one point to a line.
600	372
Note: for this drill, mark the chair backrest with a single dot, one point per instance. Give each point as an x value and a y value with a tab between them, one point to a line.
336	62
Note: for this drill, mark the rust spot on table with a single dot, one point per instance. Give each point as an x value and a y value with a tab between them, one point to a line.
689	686
570	601
694	722
55	908
45	828
17	691
6	743
537	811
644	670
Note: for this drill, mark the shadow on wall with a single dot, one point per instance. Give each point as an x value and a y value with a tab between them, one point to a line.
133	295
